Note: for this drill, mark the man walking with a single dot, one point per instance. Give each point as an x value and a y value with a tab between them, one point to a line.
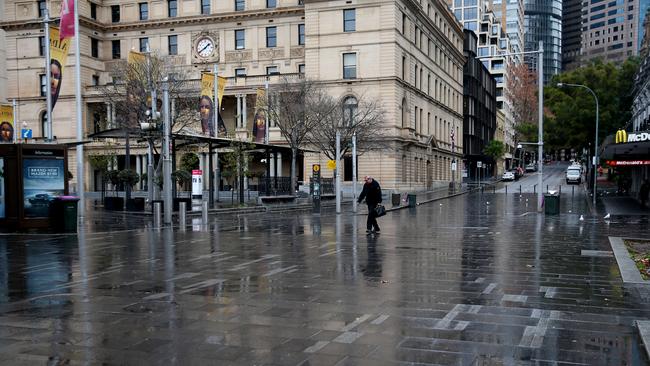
372	193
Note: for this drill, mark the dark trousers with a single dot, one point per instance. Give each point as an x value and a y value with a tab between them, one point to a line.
372	218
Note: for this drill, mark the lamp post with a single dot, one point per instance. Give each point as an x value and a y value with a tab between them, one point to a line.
540	114
595	162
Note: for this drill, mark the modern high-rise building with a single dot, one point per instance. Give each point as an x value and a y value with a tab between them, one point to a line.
612	31
405	55
571	33
510	14
543	22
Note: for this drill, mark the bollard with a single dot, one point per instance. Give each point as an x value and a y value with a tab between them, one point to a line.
506	189
494	189
547	188
520	189
572	191
204	212
560	189
156	214
182	211
535	188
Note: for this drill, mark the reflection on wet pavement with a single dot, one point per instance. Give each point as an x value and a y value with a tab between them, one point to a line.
479	279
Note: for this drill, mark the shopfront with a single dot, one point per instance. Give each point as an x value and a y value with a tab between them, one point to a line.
628	153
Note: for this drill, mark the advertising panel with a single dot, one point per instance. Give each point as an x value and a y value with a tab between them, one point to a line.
58	56
2	188
43	181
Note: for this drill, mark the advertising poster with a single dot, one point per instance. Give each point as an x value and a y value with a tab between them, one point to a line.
206	105
197	183
58	55
6	123
43	181
2	188
259	123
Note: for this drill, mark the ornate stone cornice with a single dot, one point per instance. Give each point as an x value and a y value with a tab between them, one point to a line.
166	22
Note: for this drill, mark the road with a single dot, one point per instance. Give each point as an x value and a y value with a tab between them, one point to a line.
554	178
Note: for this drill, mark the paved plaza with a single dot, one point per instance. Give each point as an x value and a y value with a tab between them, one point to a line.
478	279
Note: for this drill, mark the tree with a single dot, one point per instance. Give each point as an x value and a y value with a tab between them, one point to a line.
494	149
521	91
296	110
571	113
236	162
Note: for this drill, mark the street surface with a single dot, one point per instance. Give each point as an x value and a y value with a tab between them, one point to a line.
479	279
554	178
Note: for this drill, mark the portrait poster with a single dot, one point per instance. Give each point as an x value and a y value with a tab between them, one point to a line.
43	181
259	122
207	107
2	188
7	129
59	49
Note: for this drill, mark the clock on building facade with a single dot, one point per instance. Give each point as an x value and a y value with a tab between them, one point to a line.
205	47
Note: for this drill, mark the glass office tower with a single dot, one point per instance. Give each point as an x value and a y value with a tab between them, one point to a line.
543	22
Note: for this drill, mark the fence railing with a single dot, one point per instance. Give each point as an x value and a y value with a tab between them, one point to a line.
274	186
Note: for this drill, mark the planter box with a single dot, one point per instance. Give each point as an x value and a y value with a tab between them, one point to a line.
114	203
135	204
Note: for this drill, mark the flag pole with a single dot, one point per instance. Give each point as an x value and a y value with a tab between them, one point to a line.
80	148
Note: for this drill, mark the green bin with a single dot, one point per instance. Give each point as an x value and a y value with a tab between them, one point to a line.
66	209
412	200
552	204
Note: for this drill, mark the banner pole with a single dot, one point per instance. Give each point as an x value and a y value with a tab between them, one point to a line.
48	81
80	149
14	107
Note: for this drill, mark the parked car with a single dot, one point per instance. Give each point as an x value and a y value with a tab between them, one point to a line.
573	175
531	168
508	176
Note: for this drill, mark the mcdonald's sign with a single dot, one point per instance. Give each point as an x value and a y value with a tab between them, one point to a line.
621	136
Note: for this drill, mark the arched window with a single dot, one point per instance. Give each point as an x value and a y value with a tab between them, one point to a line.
404	114
350	105
44	124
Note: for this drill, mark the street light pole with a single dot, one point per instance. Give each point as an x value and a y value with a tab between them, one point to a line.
595	162
540	140
167	162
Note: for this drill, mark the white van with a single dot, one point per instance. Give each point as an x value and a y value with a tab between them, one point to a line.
573	174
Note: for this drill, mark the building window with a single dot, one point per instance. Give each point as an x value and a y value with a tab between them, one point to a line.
271	3
116	49
403	24
41	46
240	5
272	70
144	44
240	40
44	124
172	8
404	113
93	11
349	66
403	67
172	45
301	34
271	37
115	13
42	5
240	72
349	20
205	7
94	47
301	69
350	106
95	80
144	11
43	84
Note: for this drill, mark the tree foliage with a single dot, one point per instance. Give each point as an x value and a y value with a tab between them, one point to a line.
494	149
521	91
570	117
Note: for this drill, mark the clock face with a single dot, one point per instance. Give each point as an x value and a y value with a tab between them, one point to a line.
205	47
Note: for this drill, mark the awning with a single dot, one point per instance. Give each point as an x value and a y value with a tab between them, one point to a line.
625	151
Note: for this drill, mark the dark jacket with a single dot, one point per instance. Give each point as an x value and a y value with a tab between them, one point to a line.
371	192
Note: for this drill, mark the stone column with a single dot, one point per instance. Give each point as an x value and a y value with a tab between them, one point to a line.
239	111
244	110
272	164
279	164
138	169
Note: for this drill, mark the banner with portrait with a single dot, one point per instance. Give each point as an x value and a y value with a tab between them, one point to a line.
207	107
59	49
259	122
7	125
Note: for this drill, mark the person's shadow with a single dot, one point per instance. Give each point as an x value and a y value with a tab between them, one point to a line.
372	270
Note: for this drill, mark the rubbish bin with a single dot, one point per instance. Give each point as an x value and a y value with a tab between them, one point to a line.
412	200
64	211
395	199
552	204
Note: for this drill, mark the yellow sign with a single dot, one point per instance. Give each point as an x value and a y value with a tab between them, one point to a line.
331	164
621	136
316	167
6	123
58	56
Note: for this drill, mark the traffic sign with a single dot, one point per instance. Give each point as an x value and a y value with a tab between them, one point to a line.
479	164
26	133
331	164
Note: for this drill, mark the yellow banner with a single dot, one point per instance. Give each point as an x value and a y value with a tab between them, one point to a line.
59	49
6	123
206	104
136	57
221	88
259	123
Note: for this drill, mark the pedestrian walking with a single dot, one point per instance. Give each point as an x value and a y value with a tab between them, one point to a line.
643	192
372	193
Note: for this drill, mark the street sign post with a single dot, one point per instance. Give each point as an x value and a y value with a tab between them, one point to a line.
316	191
26	133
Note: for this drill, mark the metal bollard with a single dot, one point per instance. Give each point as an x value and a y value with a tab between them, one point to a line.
204	212
535	188
520	189
560	189
547	188
182	215
157	219
506	189
572	191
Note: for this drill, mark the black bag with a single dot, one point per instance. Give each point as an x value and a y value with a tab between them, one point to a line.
380	210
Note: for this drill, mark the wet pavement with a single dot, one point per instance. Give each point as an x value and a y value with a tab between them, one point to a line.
479	279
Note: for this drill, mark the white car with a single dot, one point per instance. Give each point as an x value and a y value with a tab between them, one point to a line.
573	174
508	176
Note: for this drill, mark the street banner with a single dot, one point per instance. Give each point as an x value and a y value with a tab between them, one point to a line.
7	129
206	104
58	56
67	19
259	122
197	183
136	57
221	88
